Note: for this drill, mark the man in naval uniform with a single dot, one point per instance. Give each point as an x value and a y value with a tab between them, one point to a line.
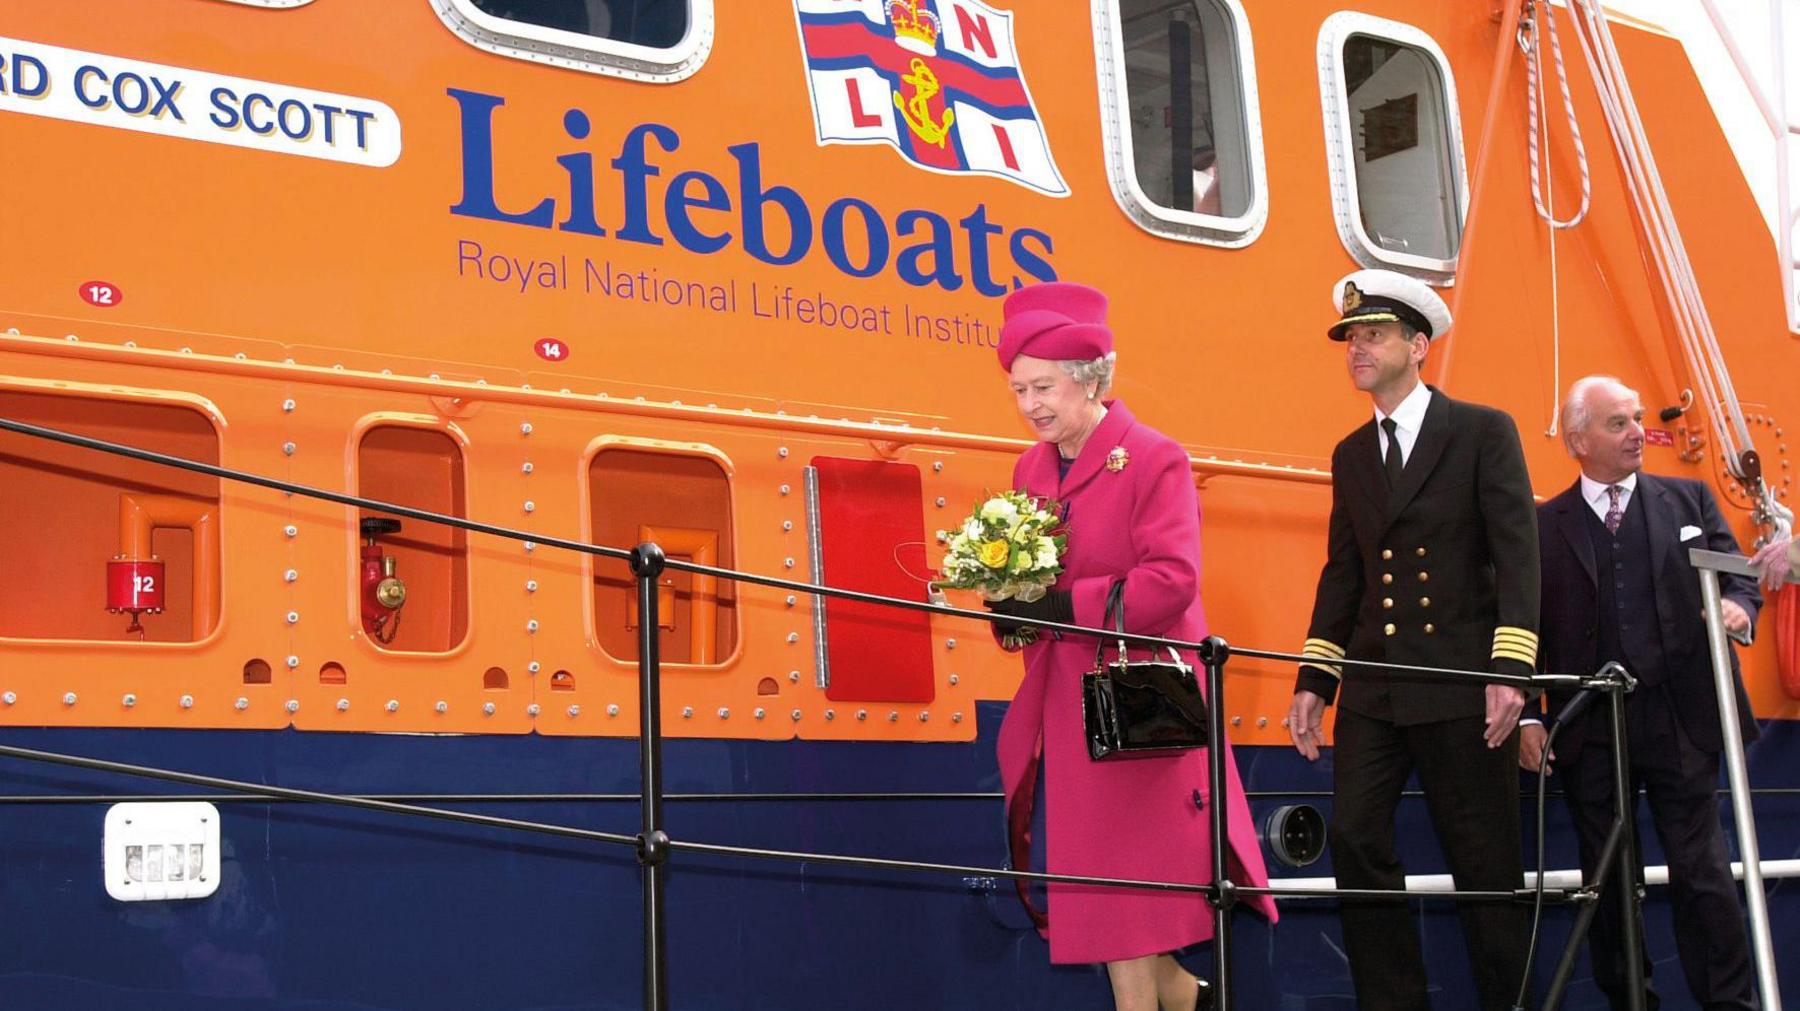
1431	561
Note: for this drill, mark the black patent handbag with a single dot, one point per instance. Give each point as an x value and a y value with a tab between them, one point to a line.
1134	708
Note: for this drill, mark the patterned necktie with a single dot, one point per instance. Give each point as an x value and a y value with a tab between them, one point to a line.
1613	513
1392	460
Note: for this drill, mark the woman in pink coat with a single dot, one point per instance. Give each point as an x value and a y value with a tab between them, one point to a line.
1132	515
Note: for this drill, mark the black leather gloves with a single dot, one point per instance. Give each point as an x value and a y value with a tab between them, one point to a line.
1056	606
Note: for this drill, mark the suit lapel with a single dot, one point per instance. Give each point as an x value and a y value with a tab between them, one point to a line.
1428	448
1567	509
1660	518
1107	435
1364	454
1038	475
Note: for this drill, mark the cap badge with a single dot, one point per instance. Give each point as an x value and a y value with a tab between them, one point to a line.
1117	458
1352	297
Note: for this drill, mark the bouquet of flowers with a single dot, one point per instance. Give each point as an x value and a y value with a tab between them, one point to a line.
1010	547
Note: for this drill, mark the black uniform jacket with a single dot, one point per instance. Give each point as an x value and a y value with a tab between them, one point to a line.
1671	506
1441	572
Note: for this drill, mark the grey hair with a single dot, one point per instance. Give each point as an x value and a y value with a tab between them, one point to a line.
1096	370
1575	416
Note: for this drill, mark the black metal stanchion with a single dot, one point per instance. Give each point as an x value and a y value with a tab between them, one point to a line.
652	843
1214	652
1565	968
1617	864
1630	932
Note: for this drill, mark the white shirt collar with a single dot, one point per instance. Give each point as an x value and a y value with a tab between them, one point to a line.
1410	414
1595	493
1408	417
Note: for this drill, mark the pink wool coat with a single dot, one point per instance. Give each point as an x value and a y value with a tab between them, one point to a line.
1132	817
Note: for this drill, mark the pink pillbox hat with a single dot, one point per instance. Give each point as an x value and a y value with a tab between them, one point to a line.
1056	321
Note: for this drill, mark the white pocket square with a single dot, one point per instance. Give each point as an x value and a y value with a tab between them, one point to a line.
1689	533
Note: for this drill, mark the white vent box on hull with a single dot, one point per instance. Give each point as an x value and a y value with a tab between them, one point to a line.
161	851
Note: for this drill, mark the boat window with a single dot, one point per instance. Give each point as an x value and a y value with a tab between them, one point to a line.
1184	142
654	40
1395	145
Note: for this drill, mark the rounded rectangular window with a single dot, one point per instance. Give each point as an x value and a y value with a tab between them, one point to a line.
681	501
104	548
660	24
1184	142
654	40
422	468
1395	145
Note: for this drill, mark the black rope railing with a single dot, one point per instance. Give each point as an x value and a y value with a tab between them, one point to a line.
748	796
735	575
311	796
654	846
264	792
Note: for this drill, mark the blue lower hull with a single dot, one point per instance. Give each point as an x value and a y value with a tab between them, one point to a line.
335	908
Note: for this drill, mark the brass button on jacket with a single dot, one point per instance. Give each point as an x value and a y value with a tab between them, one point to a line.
1387	577
1389	628
1430	628
1424	601
1421	552
1387	553
1387	602
1424	577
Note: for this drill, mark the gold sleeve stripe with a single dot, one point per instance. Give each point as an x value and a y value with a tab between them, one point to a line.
1324	649
1526	657
1522	636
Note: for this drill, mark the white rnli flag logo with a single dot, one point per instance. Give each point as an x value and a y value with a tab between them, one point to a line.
937	80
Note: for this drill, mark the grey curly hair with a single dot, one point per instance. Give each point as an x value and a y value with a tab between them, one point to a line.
1095	370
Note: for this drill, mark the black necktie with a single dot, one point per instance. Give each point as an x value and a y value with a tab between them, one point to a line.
1392	460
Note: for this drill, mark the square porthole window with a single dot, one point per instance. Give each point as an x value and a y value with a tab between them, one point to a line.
1395	145
1183	137
647	40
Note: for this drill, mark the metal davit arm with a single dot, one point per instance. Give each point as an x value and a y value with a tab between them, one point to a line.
1762	945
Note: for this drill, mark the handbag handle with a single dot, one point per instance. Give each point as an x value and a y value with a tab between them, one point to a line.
1115	613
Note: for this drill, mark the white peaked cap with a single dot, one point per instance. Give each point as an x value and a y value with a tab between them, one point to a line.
1383	296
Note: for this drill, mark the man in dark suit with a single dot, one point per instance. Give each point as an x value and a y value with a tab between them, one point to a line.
1431	561
1618	586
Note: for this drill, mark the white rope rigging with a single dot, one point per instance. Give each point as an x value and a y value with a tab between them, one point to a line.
1543	196
1699	342
1531	43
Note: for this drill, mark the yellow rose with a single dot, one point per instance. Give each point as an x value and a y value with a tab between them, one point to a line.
993	554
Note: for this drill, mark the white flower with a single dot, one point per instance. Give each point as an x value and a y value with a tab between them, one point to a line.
999	510
1046	553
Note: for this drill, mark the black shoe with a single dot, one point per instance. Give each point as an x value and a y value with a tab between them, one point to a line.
1204	1000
